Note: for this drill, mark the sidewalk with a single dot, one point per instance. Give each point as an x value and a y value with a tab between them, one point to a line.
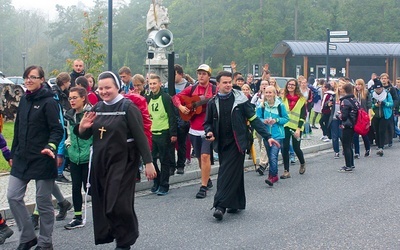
192	173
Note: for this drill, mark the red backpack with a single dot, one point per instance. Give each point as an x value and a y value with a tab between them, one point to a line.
363	122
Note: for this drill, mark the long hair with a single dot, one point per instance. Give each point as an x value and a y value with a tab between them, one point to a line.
363	93
81	92
296	90
337	91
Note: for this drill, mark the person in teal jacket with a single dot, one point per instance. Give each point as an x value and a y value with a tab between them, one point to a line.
78	151
274	115
382	104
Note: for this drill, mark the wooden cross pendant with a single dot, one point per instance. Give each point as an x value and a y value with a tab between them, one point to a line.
101	132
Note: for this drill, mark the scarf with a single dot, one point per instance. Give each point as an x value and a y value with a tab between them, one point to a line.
379	97
224	96
292	99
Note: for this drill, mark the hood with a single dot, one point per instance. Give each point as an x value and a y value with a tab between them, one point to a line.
43	92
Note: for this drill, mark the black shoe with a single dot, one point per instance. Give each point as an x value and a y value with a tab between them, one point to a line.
209	184
64	207
232	210
162	191
218	213
180	171
202	193
346	169
171	171
122	248
35	221
62	179
155	188
44	248
27	245
75	223
366	153
313	126
5	233
260	170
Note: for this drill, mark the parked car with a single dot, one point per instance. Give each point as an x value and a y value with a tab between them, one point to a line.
282	80
19	80
5	80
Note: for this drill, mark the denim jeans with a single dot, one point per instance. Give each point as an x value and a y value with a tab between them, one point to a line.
356	143
336	134
273	153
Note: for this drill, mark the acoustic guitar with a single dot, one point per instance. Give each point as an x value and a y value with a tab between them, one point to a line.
194	104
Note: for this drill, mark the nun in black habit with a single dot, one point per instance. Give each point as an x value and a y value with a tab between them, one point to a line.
117	128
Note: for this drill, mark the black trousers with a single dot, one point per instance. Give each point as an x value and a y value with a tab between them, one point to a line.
161	150
381	126
182	135
347	139
296	148
79	174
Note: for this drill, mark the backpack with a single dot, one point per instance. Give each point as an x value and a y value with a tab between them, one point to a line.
279	110
362	124
315	95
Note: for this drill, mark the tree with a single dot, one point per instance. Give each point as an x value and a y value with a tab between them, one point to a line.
91	49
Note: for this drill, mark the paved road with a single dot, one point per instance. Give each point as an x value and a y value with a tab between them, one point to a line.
322	209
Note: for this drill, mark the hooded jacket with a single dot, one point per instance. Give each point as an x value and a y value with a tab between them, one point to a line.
242	111
78	149
36	127
277	112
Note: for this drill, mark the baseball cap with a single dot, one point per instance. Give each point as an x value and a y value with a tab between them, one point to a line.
204	67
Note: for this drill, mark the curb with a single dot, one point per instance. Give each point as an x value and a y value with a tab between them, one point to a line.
188	176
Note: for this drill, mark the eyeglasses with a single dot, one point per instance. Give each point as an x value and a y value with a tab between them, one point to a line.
73	98
32	77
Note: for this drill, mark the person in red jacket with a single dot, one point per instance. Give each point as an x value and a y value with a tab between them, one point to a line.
202	147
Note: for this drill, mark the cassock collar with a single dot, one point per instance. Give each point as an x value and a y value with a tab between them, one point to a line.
115	100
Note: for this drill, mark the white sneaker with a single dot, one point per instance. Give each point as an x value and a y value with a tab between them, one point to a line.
323	137
326	139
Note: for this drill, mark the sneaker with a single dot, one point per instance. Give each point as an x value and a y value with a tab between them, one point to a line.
367	153
380	152
269	181
323	137
285	175
314	127
209	184
155	188
188	162
326	139
302	169
75	223
292	159
27	245
35	221
64	207
62	179
5	233
260	170
357	156
162	192
202	193
180	171
336	156
345	169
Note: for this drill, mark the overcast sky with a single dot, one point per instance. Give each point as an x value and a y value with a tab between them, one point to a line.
48	7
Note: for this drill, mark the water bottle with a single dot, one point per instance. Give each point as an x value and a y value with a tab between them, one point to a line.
293	132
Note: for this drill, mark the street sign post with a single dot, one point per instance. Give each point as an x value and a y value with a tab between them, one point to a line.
338	37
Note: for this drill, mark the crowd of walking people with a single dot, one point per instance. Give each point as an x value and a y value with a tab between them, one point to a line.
107	132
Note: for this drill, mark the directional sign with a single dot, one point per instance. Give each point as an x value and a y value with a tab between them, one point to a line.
332	47
339	33
339	39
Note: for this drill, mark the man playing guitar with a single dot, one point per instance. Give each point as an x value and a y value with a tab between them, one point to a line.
201	146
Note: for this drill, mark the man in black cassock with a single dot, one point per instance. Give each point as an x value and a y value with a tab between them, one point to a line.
226	125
